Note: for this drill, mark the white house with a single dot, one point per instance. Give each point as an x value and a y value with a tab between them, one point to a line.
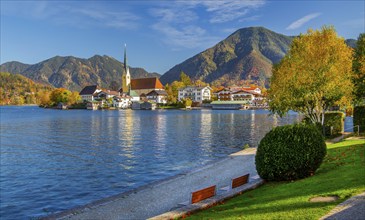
107	94
88	93
243	96
122	101
158	96
195	93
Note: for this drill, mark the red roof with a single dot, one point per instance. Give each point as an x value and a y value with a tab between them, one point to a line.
146	83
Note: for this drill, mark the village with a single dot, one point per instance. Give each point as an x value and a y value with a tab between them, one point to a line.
149	94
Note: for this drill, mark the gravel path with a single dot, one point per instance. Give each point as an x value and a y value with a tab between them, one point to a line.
164	196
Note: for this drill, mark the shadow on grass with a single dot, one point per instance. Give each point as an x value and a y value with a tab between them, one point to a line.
341	174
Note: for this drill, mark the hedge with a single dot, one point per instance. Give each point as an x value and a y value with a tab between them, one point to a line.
335	119
359	118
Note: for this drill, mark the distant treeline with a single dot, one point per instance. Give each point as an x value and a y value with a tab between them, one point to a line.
16	89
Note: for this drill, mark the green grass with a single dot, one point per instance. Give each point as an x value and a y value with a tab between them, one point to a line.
342	173
169	107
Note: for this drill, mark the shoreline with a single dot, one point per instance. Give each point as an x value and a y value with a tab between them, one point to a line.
145	201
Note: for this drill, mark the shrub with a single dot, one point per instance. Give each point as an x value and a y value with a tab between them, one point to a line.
334	120
359	117
290	152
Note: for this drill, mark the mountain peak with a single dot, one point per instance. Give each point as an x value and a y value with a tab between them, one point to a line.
245	55
74	73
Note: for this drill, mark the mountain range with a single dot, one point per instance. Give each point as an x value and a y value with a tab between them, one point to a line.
246	56
75	73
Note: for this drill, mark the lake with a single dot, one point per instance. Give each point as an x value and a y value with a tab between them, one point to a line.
54	160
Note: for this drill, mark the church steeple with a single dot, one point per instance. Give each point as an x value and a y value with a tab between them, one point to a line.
126	77
125	57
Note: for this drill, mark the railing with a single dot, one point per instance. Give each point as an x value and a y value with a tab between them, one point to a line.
353	128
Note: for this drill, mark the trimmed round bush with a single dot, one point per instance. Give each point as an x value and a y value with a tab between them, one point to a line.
290	152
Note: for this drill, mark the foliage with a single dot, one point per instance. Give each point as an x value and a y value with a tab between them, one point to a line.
187	102
74	97
331	119
358	66
340	174
60	95
173	88
16	89
359	117
334	120
290	152
315	75
185	79
172	91
78	105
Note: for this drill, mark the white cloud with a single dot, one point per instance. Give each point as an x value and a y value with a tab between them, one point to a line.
224	11
177	25
74	14
175	20
113	19
190	36
300	22
174	14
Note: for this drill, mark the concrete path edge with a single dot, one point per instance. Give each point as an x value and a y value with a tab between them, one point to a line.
188	209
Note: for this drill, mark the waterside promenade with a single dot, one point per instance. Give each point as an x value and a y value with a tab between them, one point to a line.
161	199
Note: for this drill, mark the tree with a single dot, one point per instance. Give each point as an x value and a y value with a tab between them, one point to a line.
74	98
187	102
200	83
60	95
172	91
358	67
314	75
44	99
185	79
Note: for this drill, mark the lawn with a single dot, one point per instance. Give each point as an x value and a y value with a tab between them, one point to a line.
342	173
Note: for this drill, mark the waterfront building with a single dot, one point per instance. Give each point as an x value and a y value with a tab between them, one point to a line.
132	90
245	96
146	85
88	93
158	96
107	94
195	93
139	88
249	94
122	101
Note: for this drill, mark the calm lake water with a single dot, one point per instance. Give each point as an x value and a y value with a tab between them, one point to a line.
54	160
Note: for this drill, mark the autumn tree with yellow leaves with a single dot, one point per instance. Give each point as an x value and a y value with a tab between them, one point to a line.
358	66
315	75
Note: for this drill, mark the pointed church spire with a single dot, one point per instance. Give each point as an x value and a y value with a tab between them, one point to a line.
125	57
126	77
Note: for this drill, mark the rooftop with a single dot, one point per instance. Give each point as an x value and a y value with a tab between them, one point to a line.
89	90
146	83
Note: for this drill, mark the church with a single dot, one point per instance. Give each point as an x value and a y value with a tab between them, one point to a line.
142	89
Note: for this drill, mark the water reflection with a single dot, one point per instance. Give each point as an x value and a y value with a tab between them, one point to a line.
53	160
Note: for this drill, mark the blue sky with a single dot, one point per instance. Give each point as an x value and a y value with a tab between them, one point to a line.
158	34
